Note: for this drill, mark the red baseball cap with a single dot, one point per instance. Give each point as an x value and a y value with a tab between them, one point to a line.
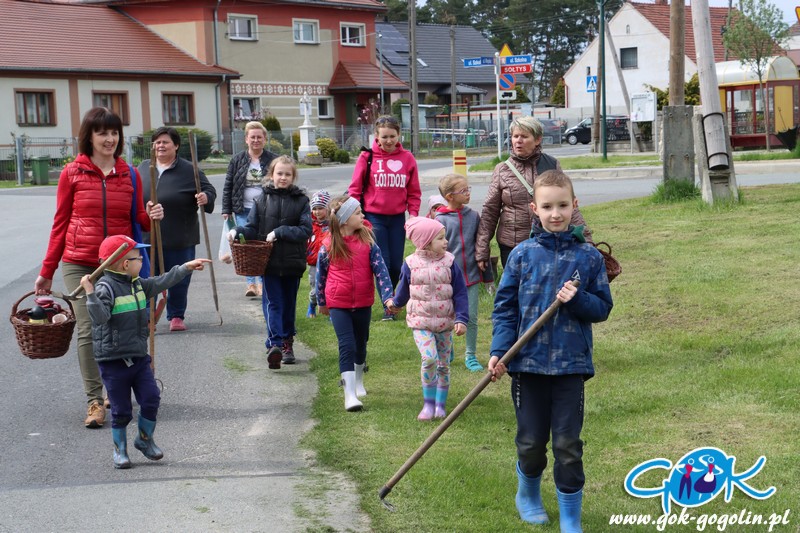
112	243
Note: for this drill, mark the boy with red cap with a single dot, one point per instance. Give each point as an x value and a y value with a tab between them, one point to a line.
434	288
117	306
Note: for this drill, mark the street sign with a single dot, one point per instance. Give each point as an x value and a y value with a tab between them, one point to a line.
508	95
516	60
484	61
507	81
516	69
591	84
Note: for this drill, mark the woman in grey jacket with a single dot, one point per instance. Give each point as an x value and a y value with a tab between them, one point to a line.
243	184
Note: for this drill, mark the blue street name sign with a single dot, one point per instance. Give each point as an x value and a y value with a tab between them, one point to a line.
485	61
517	60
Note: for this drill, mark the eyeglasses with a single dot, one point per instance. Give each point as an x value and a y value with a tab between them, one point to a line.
465	190
137	258
387	120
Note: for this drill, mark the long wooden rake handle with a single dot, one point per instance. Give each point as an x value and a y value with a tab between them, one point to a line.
456	412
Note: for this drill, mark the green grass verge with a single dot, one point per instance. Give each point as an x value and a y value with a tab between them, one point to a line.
701	349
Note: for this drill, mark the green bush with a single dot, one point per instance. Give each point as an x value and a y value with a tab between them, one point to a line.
295	140
204	141
273	126
275	146
396	109
341	156
327	147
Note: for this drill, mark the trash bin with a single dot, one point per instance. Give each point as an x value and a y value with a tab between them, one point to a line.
470	141
41	170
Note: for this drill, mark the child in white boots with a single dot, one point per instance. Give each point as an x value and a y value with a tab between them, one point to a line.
434	288
347	262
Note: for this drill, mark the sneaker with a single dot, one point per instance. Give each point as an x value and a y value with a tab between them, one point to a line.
176	324
387	316
95	415
251	291
274	356
472	364
288	353
259	289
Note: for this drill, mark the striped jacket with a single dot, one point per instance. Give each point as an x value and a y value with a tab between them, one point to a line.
118	309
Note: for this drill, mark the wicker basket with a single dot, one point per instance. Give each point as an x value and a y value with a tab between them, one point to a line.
42	341
251	258
613	268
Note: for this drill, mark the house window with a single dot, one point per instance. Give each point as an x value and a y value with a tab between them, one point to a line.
306	31
629	57
115	101
242	28
178	108
35	108
353	34
246	109
325	107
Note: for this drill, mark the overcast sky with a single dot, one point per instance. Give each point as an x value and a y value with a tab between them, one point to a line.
786	6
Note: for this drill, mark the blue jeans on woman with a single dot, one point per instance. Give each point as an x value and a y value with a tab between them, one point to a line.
390	236
177	295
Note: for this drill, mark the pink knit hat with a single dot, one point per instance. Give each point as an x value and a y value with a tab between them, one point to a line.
422	230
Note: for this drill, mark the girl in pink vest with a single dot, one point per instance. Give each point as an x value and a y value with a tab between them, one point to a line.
434	288
346	264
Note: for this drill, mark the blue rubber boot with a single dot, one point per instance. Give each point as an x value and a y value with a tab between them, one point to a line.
569	505
529	499
120	436
144	440
312	311
440	410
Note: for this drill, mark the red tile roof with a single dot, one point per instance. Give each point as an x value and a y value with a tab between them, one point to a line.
372	5
658	15
362	76
71	38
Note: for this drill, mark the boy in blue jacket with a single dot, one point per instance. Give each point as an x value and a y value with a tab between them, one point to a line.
548	374
117	305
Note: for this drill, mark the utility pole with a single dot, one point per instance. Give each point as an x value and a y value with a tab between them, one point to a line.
380	64
453	91
677	31
412	40
602	88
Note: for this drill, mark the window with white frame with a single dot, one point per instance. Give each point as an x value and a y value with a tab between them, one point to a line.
325	107
115	101
306	31
246	109
177	108
35	107
353	34
629	58
242	27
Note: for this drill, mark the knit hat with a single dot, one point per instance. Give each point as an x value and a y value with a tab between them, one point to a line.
436	199
421	230
112	243
321	198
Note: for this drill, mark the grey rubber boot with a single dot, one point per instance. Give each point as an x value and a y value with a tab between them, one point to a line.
120	436
144	440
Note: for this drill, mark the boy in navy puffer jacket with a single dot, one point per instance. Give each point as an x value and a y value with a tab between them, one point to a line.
548	374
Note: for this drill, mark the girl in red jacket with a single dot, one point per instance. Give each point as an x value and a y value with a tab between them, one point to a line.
346	265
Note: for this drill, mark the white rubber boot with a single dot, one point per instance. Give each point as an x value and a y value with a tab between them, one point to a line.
360	390
351	402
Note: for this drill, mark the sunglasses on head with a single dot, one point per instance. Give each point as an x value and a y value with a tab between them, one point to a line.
387	120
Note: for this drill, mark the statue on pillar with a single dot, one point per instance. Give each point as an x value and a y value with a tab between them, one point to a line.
307	138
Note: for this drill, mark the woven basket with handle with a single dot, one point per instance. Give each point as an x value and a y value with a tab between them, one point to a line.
42	341
251	258
613	268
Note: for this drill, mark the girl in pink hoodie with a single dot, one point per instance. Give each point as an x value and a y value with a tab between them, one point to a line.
433	285
386	182
347	262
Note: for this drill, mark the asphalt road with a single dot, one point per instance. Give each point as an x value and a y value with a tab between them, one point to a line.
228	426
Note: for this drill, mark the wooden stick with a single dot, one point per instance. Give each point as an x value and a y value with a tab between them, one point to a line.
193	148
482	384
155	245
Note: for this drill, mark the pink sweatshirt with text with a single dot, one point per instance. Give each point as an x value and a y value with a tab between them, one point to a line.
393	185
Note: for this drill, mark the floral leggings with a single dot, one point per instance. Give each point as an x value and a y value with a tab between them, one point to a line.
435	349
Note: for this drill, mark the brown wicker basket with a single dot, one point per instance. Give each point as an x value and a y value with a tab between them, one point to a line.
42	341
251	258
613	268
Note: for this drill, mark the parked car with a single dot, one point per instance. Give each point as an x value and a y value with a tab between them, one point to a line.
616	130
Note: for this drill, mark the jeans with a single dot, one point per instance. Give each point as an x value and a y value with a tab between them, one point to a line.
312	281
120	379
352	332
177	295
545	404
92	384
241	220
278	301
390	236
473	297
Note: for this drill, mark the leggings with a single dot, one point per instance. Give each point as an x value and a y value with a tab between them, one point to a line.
435	350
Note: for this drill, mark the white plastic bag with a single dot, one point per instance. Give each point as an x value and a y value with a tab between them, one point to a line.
224	246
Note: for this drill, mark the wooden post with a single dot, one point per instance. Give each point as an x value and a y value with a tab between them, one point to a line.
676	52
713	120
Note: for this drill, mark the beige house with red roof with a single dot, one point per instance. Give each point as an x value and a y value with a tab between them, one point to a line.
57	60
640	33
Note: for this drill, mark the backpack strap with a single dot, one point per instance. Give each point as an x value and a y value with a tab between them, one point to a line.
519	177
365	179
